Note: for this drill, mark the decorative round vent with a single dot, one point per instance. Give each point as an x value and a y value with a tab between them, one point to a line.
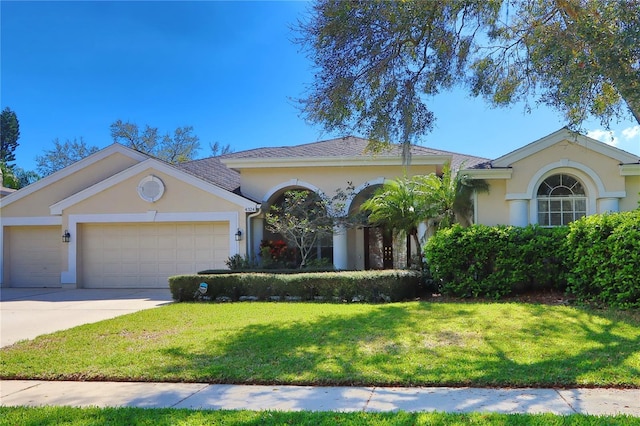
151	188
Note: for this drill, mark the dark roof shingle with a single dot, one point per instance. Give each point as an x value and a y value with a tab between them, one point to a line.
214	171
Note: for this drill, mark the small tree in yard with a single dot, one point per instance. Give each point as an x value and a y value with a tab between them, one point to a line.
303	219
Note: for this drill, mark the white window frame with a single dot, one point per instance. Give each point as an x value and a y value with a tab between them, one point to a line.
561	201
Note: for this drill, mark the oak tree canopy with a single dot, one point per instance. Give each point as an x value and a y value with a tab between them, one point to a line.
379	62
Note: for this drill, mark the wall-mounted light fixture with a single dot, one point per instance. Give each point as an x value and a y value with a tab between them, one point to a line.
66	237
238	235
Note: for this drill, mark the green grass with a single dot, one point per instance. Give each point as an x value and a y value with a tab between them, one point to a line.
417	343
138	416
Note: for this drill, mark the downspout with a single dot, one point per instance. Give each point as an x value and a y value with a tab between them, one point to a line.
249	248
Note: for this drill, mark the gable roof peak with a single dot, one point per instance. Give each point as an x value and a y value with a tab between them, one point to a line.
564	134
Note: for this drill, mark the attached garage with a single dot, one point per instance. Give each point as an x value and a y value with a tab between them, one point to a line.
144	255
34	256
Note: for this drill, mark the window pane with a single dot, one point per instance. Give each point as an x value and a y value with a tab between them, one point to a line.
556	219
581	206
567	205
561	191
555	205
543	219
543	206
566	218
554	180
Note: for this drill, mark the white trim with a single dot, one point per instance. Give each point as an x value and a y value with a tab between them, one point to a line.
594	188
376	181
149	164
505	173
31	221
142	191
630	170
73	168
282	162
70	276
565	135
23	221
568	166
290	183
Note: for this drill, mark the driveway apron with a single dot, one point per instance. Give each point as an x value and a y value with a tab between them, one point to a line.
29	312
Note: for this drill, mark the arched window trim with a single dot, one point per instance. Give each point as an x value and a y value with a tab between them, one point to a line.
569	202
593	185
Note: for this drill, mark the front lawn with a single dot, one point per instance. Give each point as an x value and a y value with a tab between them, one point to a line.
416	343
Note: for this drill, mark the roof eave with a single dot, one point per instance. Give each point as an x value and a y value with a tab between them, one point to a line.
501	173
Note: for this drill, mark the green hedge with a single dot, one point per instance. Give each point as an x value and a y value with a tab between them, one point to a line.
605	259
495	261
352	286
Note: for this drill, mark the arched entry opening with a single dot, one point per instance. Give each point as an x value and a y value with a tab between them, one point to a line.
377	247
305	235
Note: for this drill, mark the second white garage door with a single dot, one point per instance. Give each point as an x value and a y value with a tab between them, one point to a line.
141	255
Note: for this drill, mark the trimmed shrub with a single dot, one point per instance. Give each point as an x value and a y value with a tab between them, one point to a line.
496	261
605	259
352	286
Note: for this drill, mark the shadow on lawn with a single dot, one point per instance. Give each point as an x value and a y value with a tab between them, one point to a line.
325	351
391	346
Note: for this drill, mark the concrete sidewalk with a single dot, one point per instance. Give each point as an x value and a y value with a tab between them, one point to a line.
297	398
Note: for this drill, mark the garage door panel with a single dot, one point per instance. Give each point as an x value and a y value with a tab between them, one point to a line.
34	256
145	255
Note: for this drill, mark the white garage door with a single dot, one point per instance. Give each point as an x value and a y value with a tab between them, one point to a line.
141	255
34	256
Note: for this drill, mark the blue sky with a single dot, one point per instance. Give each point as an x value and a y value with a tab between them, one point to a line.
229	69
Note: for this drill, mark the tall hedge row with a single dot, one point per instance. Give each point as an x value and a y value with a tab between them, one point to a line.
495	261
604	259
596	258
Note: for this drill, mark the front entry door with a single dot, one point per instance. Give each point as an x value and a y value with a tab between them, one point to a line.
378	243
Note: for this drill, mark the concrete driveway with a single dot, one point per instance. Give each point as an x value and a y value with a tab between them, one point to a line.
29	312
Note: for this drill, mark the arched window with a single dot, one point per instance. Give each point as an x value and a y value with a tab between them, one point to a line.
561	199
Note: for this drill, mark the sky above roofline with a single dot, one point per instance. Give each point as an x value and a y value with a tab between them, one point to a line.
229	69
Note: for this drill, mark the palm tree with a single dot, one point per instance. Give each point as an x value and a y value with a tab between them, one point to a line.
404	203
451	197
400	204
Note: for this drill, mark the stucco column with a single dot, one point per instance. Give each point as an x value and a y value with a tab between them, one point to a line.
518	212
608	205
340	260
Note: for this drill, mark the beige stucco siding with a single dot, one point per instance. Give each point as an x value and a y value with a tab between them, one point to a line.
632	189
37	203
256	183
566	155
178	196
491	206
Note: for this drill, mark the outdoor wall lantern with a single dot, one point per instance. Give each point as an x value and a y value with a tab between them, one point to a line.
66	237
238	235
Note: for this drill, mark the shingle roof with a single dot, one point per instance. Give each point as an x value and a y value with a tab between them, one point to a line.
349	146
214	171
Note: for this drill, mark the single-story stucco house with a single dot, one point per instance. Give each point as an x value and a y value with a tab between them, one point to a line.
120	218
